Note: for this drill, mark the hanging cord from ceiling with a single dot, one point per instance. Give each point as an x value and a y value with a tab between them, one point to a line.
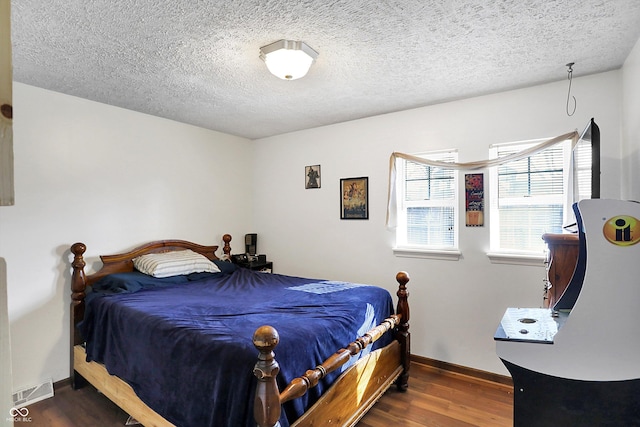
570	77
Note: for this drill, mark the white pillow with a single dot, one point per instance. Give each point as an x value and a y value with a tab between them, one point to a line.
174	263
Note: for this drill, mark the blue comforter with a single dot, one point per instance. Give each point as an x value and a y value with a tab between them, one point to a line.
185	344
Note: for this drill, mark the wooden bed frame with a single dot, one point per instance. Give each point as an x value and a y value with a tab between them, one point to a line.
364	382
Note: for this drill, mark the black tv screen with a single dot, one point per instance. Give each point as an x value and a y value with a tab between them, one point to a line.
586	155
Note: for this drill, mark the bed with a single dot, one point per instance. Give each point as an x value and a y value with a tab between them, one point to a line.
199	348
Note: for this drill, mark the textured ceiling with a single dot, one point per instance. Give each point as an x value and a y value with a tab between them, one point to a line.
197	61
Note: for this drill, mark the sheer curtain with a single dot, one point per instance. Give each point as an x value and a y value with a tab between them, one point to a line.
392	202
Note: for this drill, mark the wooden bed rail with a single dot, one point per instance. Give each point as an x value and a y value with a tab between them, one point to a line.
268	400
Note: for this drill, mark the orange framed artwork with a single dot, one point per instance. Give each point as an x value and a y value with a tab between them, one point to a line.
354	198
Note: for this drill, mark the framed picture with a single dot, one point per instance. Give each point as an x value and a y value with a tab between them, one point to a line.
312	176
474	199
354	198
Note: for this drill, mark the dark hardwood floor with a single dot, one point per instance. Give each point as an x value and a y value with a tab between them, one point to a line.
436	398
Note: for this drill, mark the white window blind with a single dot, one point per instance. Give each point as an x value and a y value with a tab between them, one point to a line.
527	197
427	215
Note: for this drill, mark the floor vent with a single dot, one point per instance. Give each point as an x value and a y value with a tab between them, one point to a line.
34	394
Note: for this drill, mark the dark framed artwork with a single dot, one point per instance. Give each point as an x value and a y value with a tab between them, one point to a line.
312	176
354	198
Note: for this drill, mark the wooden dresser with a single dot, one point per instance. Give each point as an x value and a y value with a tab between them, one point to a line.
563	256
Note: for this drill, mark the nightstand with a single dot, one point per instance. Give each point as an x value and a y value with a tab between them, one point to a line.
263	267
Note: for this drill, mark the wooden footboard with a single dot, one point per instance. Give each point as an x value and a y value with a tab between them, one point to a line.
355	391
343	404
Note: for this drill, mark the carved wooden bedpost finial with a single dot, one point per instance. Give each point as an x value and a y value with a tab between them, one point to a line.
403	303
266	407
402	331
226	249
78	285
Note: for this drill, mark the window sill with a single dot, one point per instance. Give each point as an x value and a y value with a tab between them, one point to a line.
517	259
441	254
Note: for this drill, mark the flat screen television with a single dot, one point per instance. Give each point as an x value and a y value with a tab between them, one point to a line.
586	158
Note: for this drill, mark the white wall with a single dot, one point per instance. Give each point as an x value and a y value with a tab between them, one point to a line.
113	179
631	124
456	305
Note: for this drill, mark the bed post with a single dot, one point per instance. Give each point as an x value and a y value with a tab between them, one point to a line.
266	407
402	331
226	249
78	287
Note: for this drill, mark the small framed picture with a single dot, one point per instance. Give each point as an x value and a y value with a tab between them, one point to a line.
312	176
354	198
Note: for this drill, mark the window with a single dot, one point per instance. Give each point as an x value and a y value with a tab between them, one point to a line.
527	197
427	208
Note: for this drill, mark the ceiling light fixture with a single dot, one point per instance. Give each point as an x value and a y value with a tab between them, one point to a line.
288	59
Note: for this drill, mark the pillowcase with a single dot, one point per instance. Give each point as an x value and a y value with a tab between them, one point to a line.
174	263
225	267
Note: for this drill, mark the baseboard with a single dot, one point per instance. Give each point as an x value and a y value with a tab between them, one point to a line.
62	383
464	370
